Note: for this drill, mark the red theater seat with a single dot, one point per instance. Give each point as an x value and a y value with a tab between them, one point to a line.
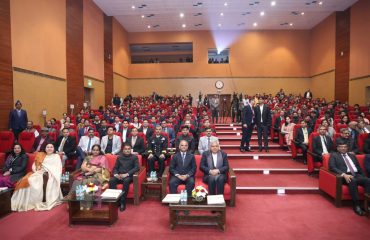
26	140
311	165
230	185
6	141
293	147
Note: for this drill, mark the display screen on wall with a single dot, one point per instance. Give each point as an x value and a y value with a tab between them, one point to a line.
161	53
216	57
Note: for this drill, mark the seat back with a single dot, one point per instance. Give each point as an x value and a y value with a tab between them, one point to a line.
53	136
26	140
198	174
6	141
31	160
310	161
360	141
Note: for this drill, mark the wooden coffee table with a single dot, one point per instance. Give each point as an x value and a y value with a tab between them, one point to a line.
5	204
102	211
152	189
197	213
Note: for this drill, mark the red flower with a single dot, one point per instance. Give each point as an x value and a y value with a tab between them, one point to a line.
202	190
196	190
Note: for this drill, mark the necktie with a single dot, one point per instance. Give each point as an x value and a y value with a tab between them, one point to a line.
348	164
183	158
62	145
209	142
88	145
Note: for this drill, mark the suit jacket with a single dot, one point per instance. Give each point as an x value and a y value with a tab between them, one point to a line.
247	115
171	134
367	146
18	122
352	145
308	94
18	167
203	143
116	144
43	145
81	132
127	133
69	147
277	124
266	116
299	139
189	139
206	163
149	132
139	146
84	142
126	164
338	165
317	146
177	166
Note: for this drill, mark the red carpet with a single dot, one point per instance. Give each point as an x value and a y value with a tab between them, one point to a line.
276	180
259	217
265	163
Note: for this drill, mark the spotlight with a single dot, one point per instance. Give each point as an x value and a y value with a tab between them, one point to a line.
262	13
184	25
273	3
182	15
255	24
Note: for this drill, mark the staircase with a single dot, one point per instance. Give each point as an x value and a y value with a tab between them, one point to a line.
264	172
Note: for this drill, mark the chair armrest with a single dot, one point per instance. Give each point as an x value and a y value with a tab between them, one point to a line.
165	180
138	179
331	183
232	183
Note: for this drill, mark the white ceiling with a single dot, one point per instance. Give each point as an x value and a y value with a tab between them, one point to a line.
164	15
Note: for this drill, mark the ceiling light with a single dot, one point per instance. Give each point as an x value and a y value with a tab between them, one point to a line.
184	25
182	15
320	3
302	13
290	24
225	4
133	6
273	3
262	13
142	16
255	24
219	25
221	14
148	26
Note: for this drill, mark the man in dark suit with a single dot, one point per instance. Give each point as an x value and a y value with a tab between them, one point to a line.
136	142
148	132
301	139
182	169
321	144
247	126
41	141
263	121
215	166
124	169
186	136
351	143
278	120
347	165
17	119
103	128
125	130
308	94
65	145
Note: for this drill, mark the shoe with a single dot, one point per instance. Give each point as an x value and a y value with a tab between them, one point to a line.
248	150
242	150
266	150
358	211
260	150
122	207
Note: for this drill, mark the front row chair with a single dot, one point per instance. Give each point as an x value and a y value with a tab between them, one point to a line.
230	185
332	184
135	187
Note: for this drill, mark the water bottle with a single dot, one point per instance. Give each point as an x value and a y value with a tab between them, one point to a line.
66	177
62	178
181	197
185	196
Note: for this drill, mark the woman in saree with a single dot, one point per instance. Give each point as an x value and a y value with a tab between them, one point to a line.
40	189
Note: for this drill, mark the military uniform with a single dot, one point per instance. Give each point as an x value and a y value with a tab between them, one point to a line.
157	146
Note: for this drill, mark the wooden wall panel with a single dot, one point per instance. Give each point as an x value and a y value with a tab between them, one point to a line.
6	74
75	70
342	55
108	59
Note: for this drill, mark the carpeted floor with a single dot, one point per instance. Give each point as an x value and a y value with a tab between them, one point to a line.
265	216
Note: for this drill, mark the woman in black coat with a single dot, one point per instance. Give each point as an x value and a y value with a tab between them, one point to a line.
15	167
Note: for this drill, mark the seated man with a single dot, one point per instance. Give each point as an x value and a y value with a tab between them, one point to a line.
186	136
205	141
182	169
41	141
85	129
346	164
136	142
215	166
65	145
85	145
321	144
345	136
125	130
157	149
103	128
169	131
301	139
30	128
148	132
111	143
124	169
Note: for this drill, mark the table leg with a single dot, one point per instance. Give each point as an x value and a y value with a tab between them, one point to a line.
173	219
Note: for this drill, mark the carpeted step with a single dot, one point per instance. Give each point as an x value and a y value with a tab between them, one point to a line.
253	145
266	163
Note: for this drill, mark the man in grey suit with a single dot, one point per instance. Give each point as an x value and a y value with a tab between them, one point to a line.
182	169
346	165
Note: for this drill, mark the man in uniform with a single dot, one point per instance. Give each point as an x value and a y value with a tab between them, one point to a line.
157	150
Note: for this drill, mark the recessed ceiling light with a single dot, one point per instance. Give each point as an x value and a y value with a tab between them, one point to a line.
221	14
302	13
273	3
255	24
290	24
148	26
262	13
133	6
320	3
219	24
225	4
182	15
184	25
142	16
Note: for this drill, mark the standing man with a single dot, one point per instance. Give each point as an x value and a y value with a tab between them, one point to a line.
215	108
17	119
182	169
124	169
247	126
263	121
308	94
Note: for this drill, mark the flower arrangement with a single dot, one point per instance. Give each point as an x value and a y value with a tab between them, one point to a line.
199	193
